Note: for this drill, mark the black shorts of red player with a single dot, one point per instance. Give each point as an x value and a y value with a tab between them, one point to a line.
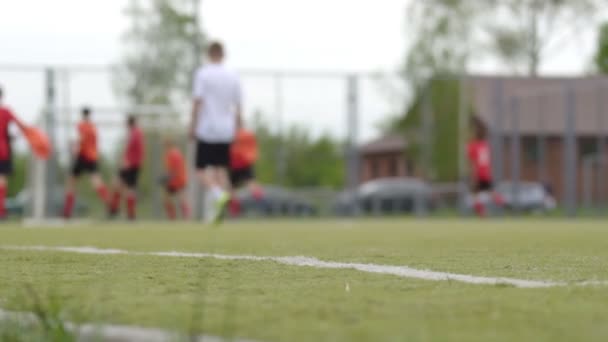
172	190
483	185
6	167
129	177
82	164
240	177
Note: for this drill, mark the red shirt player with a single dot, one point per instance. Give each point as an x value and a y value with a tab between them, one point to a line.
481	163
6	165
129	171
243	155
85	162
175	181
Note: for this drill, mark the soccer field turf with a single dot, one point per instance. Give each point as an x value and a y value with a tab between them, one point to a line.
265	300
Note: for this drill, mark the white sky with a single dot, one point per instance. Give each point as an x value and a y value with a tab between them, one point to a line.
359	35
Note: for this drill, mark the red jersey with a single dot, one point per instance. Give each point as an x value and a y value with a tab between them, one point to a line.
134	153
88	141
244	150
6	117
479	155
176	167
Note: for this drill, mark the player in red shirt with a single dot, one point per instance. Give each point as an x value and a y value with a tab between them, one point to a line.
243	155
481	163
6	164
85	162
175	181
129	171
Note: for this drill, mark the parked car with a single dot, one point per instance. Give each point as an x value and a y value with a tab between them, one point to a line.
276	201
527	197
16	206
386	196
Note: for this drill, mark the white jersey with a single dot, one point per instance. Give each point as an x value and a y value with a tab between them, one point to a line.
220	91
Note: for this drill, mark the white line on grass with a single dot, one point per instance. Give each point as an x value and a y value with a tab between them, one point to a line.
303	261
110	332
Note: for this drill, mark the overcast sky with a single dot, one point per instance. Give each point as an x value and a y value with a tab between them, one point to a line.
359	35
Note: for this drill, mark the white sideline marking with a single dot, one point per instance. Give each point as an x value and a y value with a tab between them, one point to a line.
303	261
111	332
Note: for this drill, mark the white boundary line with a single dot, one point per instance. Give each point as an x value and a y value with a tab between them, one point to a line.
111	332
303	261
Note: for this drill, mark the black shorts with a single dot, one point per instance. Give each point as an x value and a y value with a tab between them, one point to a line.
173	190
212	155
6	167
83	165
483	186
240	177
129	176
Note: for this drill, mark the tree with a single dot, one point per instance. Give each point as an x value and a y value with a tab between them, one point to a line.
162	49
443	43
601	56
300	148
522	33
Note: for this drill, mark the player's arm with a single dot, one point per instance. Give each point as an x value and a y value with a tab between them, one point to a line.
239	105
197	102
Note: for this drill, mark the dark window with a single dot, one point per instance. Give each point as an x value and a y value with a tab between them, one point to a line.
587	147
531	149
374	168
392	167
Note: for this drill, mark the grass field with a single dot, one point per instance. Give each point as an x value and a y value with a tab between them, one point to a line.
264	300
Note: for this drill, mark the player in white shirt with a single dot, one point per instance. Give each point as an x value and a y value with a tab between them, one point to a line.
216	110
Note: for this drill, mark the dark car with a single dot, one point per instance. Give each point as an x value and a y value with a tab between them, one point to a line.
16	206
386	196
276	201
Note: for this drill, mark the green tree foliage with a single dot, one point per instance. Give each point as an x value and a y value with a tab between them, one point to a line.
523	32
162	48
601	57
309	161
443	100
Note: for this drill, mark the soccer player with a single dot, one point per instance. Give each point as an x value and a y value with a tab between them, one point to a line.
481	163
243	155
6	165
129	171
85	162
215	111
175	181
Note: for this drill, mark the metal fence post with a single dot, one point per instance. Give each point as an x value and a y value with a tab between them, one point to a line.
426	112
542	142
50	125
515	153
463	121
570	159
352	167
497	131
601	150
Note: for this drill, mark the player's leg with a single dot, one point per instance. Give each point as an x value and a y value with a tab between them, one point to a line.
70	188
3	193
118	188
183	203
169	202
131	177
482	191
98	183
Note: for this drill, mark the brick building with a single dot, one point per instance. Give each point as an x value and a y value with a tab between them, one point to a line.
384	157
541	124
541	104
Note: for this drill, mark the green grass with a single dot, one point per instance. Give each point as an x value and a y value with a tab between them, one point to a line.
271	302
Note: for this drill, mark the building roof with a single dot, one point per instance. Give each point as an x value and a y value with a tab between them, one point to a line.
542	103
384	144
